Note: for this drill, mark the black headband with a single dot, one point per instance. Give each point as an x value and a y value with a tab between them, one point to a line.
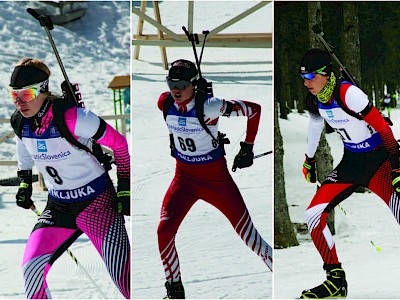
24	76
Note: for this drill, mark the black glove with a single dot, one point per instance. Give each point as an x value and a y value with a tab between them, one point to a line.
172	145
123	199
25	189
396	180
309	169
244	158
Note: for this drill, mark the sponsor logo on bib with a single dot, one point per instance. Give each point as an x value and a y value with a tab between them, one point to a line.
182	121
329	114
41	146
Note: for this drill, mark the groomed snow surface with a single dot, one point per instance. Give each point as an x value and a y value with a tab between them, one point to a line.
370	274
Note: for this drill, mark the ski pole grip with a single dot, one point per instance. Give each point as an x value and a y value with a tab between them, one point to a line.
44	20
185	30
316	29
33	13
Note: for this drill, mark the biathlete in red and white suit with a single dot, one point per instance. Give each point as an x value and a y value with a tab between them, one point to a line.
201	169
370	155
82	198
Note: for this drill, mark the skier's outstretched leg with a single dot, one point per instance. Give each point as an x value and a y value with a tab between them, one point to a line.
177	202
226	197
44	246
106	230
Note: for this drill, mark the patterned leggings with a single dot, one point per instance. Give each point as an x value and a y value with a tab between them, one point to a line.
371	170
218	189
60	225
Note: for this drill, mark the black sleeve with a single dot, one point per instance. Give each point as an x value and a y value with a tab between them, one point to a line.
312	104
102	129
16	122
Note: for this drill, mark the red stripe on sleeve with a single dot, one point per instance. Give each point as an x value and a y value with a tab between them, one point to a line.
375	119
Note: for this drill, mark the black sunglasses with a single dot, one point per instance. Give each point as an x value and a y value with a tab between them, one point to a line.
178	84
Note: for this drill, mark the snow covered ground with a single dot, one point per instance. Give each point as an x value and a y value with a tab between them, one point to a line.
215	263
370	274
93	50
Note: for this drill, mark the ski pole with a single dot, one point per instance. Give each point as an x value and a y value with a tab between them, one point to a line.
205	32
262	154
377	248
45	21
320	34
192	38
37	212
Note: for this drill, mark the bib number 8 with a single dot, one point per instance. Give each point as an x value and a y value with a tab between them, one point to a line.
53	173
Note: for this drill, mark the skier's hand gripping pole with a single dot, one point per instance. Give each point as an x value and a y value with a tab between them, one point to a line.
24	194
244	158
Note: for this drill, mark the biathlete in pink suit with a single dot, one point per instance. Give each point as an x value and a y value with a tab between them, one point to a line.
82	198
201	168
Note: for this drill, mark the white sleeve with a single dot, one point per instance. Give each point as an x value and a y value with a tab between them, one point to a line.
214	108
87	123
356	99
25	161
315	127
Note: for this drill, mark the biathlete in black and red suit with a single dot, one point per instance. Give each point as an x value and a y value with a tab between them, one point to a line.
370	159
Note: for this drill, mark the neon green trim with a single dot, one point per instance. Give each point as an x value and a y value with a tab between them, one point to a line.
308	178
123	194
326	93
396	180
320	70
24	185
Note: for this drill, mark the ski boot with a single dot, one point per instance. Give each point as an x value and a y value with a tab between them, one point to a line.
175	290
335	285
